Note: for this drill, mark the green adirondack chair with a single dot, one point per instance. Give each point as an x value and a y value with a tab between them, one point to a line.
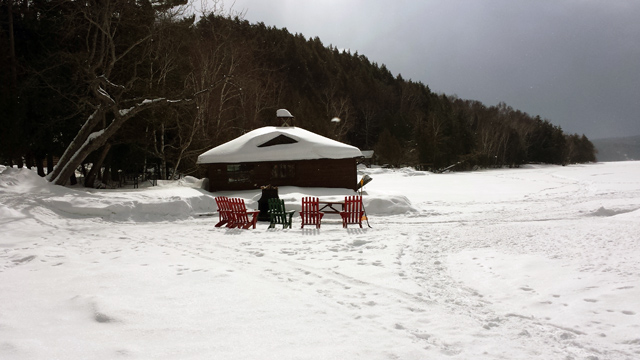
278	214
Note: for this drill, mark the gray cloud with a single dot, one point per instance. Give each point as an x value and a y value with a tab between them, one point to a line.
574	62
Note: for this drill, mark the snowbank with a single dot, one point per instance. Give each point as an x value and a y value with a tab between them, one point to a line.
169	201
172	200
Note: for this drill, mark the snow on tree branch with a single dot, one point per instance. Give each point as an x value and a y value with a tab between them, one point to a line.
103	93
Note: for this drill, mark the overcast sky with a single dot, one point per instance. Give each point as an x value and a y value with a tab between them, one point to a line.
574	62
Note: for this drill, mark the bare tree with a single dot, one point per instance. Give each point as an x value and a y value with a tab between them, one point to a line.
259	94
338	107
369	114
116	46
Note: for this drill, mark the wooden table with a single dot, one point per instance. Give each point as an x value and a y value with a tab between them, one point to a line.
329	206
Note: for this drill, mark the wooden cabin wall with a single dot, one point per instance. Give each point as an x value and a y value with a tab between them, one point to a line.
329	173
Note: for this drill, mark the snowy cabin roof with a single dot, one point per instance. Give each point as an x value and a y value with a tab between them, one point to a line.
272	143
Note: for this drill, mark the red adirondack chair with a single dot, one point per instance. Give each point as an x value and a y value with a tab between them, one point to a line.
224	211
310	213
242	218
353	211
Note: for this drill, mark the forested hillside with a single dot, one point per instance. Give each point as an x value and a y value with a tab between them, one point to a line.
618	149
127	84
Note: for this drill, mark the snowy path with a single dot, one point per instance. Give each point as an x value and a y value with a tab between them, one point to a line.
509	264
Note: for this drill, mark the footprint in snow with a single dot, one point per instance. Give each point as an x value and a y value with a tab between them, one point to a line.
357	243
421	335
624	288
102	318
24	259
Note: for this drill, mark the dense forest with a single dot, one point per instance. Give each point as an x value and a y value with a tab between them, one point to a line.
125	85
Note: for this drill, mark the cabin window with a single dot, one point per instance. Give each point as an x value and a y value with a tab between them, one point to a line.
283	171
238	173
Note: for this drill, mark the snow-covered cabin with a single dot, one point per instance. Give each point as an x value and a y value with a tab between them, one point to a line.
281	156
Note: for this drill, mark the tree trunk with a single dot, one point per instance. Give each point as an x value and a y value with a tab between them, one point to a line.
106	175
163	158
49	163
28	161
90	180
40	165
12	50
62	172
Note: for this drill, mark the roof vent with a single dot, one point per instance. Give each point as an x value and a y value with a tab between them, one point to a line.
285	116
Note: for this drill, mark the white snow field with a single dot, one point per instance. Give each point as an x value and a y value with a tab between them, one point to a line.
540	262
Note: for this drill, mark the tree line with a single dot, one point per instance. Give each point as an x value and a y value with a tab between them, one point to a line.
103	86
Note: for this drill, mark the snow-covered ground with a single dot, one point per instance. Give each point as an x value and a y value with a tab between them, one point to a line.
541	262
